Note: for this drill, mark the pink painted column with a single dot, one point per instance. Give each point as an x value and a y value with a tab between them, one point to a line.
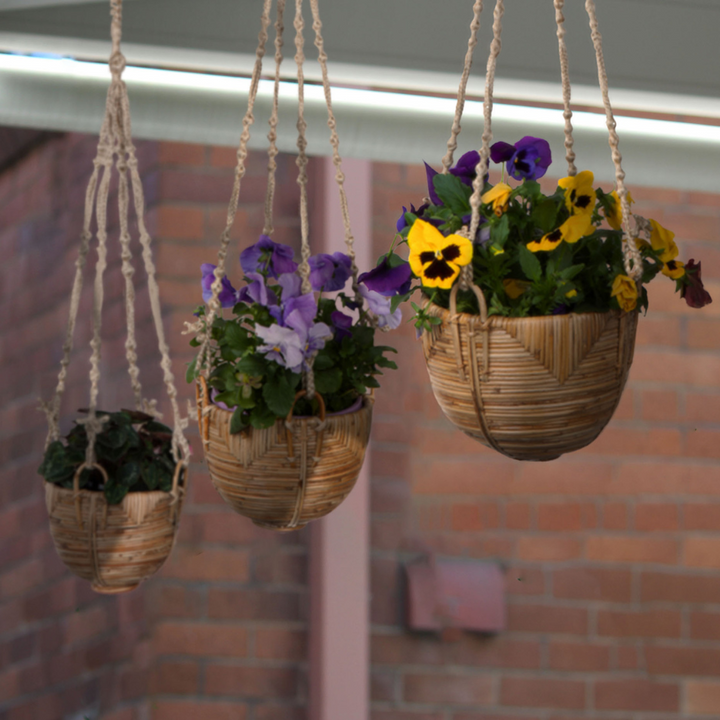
339	564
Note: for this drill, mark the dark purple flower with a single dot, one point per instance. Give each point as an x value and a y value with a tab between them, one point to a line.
465	167
228	294
386	280
696	296
330	272
430	173
300	310
342	324
402	223
528	159
269	257
257	291
561	309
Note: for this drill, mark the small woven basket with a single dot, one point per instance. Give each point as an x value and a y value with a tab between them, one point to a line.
115	547
284	476
531	388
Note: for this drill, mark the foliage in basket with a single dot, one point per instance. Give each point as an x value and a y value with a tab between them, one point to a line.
275	332
533	254
134	449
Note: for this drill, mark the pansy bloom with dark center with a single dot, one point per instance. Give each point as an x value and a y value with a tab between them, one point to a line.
694	293
434	258
527	159
580	196
574	228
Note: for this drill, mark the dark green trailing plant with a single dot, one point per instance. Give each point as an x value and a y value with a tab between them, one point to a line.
134	449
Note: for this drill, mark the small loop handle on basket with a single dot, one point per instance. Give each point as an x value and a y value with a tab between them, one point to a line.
478	294
289	418
76	487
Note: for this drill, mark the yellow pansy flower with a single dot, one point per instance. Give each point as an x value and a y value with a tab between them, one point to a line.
499	196
579	193
663	239
625	290
434	258
614	218
574	228
673	269
515	288
571	294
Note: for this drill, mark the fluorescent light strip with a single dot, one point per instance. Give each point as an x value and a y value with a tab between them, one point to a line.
358	98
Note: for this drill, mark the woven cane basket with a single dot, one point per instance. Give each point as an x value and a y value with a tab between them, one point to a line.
531	388
115	547
284	476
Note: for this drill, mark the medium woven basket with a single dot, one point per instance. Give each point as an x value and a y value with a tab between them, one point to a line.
531	388
115	547
291	473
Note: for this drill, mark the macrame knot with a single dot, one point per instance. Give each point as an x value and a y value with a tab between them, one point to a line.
117	64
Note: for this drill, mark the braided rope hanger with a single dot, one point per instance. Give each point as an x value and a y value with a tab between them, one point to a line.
115	148
203	358
631	255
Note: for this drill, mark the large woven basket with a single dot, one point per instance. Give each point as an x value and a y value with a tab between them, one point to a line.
531	388
115	547
284	476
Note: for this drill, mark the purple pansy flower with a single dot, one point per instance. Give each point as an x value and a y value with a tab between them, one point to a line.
465	167
386	280
430	173
342	324
268	256
283	345
257	291
380	306
528	159
330	272
695	294
228	294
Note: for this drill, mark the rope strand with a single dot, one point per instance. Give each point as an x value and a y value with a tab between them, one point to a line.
565	73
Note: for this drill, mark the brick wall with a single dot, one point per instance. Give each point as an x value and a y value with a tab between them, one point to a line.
612	554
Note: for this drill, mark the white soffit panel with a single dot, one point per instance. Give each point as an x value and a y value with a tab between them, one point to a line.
380	124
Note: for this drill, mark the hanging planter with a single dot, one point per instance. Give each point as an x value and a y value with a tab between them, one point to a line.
114	487
530	305
284	379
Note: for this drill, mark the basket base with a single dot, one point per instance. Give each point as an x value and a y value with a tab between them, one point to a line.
114	589
276	528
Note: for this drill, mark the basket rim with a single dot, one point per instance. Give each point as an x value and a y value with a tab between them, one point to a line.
494	319
367	402
85	492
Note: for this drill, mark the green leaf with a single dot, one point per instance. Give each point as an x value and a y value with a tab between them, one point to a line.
261	417
323	361
114	492
328	381
453	192
279	395
529	263
499	232
238	422
251	365
544	215
237	337
128	474
152	474
190	372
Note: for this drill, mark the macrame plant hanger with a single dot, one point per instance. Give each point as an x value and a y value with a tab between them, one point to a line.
296	431
115	149
470	393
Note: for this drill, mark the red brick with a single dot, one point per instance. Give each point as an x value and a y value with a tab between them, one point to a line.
627	657
646	623
702	698
632	441
85	625
658	331
705	625
703	334
562	517
548	549
631	549
184	638
193	710
702	551
207	564
682	660
542	692
614	516
524	581
637	695
250	682
517	516
701	516
667	478
673	366
679	588
403	715
176	678
178	222
474	517
547	619
181	153
656	517
278	644
703	443
450	689
578	657
586	583
702	408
